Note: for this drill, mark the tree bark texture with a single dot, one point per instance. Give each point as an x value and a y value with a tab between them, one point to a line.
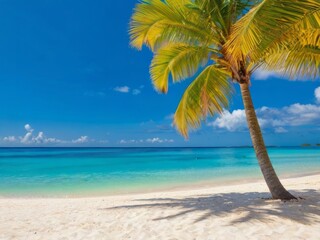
276	188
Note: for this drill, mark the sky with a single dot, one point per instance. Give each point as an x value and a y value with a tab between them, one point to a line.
70	78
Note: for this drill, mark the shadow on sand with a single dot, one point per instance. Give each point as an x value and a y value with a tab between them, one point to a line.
250	206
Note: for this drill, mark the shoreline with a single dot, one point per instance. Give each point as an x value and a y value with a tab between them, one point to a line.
203	185
117	172
239	211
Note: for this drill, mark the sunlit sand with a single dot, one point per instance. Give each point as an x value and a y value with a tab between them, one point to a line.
224	212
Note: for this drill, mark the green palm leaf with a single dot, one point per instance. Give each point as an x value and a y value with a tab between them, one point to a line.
181	60
304	61
156	23
206	95
269	24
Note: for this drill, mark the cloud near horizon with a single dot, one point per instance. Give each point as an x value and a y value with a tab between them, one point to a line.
10	139
29	138
154	140
82	139
317	94
270	118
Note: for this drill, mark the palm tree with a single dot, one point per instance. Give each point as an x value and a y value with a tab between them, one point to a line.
223	41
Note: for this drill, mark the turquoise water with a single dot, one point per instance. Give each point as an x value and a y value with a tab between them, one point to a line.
98	171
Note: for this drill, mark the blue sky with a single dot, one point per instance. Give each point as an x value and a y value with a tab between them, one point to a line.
69	78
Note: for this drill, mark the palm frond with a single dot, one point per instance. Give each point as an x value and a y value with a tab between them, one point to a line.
179	60
173	32
299	62
206	95
211	9
270	23
155	23
224	14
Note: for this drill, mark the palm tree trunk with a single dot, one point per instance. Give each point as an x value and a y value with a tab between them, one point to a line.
276	188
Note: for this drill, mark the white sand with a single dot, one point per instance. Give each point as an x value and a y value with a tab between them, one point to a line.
230	212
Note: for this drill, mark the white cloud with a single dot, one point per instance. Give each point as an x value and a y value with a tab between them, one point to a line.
41	138
158	140
136	91
300	114
127	89
233	121
317	94
10	139
82	139
54	140
169	117
280	130
261	74
28	128
149	140
123	89
154	140
27	139
123	141
276	118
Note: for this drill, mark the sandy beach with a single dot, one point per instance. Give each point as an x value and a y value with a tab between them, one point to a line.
224	212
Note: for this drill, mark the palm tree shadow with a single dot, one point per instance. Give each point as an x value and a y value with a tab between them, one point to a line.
249	206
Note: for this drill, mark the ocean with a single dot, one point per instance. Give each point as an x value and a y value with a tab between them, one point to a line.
67	172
